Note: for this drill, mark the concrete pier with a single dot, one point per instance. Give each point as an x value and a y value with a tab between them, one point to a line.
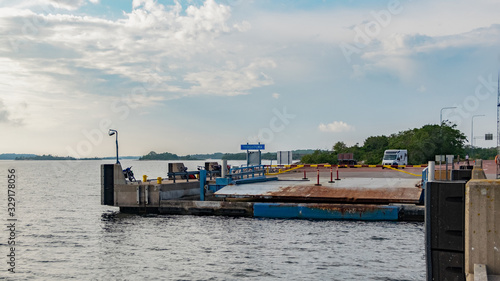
350	199
482	227
463	227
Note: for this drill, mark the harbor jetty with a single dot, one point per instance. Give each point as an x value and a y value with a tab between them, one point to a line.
255	192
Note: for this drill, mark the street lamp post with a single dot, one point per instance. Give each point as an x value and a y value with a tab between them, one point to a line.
441	136
441	114
472	132
115	132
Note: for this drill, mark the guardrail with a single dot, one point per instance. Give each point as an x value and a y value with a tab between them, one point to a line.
185	175
241	172
342	166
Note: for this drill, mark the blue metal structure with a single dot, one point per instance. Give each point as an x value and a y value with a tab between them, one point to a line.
219	184
250	158
242	175
253	146
203	179
425	179
326	211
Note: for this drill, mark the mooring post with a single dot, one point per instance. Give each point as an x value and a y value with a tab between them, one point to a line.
224	168
318	184
431	167
337	179
203	179
331	175
446	163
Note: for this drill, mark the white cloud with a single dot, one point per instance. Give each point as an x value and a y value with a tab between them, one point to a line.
68	66
399	54
153	54
422	88
65	4
243	26
5	116
335	127
137	100
150	34
228	82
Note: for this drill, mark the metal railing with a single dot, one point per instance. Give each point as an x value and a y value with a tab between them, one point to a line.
185	175
248	171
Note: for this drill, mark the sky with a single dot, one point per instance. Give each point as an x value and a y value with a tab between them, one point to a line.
192	77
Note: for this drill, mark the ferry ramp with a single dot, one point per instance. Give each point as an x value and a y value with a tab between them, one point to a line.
347	190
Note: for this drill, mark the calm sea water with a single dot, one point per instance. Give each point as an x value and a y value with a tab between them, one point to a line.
63	233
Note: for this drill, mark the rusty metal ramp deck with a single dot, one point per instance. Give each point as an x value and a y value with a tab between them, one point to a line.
352	190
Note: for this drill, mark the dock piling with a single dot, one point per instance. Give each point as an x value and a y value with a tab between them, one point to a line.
318	184
432	169
331	176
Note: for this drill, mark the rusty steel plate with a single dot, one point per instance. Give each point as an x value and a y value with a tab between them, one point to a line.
351	190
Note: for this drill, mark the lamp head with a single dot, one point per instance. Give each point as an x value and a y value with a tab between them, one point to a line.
111	132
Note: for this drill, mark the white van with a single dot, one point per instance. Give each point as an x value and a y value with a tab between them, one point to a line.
395	157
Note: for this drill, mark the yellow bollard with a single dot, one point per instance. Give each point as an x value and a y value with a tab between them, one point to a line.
144	178
158	180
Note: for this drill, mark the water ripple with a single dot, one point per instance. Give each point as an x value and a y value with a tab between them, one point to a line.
64	233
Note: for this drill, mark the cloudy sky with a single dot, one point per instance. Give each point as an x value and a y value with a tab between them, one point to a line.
206	76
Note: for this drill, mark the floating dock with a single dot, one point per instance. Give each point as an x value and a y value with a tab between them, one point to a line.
248	193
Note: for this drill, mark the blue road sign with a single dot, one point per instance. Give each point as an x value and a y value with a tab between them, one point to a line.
253	147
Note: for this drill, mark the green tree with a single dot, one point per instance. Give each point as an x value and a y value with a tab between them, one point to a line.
422	145
340	147
319	156
357	151
160	156
480	153
430	140
374	148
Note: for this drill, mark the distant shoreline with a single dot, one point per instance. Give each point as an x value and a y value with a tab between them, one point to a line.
34	157
153	156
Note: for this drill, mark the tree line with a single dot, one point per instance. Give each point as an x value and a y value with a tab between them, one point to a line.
422	145
44	157
296	154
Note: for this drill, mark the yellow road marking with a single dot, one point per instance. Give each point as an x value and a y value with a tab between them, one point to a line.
389	167
281	172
